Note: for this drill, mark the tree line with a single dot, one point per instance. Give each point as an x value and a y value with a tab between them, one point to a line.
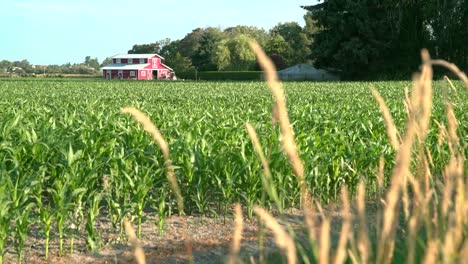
214	49
366	39
89	66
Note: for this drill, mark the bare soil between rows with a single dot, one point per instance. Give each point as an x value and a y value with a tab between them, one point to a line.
209	240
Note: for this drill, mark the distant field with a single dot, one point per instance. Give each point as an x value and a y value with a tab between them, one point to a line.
65	147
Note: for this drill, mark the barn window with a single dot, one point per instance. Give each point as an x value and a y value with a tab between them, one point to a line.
132	73
118	61
142	61
143	73
130	61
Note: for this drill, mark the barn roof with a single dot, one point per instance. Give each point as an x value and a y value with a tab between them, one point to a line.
167	66
121	66
136	56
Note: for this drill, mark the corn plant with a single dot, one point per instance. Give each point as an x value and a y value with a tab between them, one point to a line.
61	200
76	215
45	215
93	204
5	204
20	190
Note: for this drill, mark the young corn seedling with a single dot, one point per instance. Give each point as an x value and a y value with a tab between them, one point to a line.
60	197
76	215
20	230
160	207
5	208
140	196
94	238
45	217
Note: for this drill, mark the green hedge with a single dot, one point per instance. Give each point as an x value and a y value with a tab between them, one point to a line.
221	75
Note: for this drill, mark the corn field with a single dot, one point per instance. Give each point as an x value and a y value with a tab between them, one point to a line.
69	156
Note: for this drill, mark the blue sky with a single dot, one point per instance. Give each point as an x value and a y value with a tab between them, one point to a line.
61	31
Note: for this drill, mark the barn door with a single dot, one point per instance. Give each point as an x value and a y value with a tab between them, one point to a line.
120	75
109	75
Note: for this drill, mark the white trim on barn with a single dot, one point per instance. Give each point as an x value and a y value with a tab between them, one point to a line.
167	67
136	56
124	67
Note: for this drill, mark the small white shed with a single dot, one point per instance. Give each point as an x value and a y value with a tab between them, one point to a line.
305	72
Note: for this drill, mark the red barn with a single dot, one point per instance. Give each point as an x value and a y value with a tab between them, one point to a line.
137	67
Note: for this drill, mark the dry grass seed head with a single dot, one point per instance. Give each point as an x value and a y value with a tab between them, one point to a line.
137	249
426	96
282	239
149	127
452	67
258	148
452	130
363	236
442	134
432	252
451	84
341	252
324	253
392	131
281	113
237	235
421	99
407	103
380	175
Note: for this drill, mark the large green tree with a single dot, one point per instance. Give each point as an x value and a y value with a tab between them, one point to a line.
191	42
375	38
179	63
278	45
448	23
92	62
145	48
242	56
202	58
258	34
297	39
353	36
222	55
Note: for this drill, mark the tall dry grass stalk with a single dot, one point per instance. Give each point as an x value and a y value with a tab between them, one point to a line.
451	84
417	126
432	251
267	180
137	249
324	252
381	176
452	67
280	115
341	251
282	238
392	131
280	110
149	127
237	235
364	246
258	149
